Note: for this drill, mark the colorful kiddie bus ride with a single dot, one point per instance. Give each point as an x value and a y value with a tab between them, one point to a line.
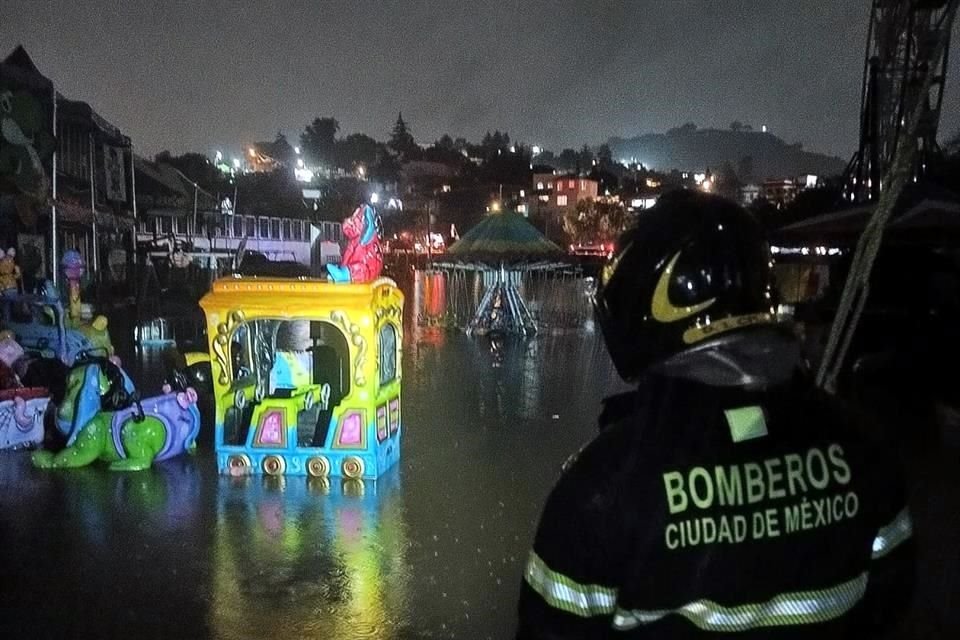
306	376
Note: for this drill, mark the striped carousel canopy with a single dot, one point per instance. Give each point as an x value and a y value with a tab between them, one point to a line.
504	238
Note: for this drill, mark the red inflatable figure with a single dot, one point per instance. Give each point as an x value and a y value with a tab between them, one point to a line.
362	259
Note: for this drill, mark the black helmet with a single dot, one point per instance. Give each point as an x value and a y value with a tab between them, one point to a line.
690	269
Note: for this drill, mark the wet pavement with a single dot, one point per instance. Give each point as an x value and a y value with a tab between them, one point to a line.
434	549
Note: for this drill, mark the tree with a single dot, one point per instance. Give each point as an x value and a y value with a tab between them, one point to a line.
318	140
445	142
196	167
567	160
728	185
604	157
745	168
595	222
585	159
357	149
401	140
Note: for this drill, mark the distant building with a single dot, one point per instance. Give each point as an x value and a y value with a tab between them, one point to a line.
779	192
552	195
175	213
93	200
568	190
267	157
749	193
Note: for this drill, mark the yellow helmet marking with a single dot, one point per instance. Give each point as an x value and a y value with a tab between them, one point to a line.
664	310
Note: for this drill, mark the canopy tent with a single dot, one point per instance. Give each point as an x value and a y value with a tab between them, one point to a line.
503	246
925	216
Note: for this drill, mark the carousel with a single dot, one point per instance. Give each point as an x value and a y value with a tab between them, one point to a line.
504	249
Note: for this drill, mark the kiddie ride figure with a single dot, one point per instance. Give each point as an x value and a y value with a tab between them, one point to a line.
726	495
42	325
9	273
362	258
103	418
22	408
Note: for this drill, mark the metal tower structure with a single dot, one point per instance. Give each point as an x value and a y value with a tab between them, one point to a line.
901	44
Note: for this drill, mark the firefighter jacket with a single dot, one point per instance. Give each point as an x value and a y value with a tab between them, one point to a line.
732	510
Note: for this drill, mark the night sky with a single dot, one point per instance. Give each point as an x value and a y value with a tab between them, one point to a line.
215	75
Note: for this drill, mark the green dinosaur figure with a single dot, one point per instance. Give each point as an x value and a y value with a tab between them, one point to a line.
95	442
130	438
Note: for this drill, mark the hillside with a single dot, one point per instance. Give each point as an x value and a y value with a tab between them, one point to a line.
754	155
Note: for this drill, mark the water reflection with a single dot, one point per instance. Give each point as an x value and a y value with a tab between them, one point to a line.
299	558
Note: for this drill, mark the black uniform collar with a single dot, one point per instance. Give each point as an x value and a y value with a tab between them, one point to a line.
752	360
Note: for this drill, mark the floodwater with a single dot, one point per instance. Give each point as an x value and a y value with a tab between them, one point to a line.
434	549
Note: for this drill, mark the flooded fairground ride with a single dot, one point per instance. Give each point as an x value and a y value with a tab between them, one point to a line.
306	376
503	276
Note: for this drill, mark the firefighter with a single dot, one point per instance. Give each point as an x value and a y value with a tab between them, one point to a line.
726	496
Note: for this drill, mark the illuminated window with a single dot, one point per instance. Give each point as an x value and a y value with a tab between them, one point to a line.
544	198
570	184
539	186
388	353
561	201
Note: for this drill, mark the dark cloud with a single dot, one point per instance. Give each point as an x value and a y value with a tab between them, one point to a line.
206	75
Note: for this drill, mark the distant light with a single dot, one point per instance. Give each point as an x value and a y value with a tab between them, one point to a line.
446	188
495	206
252	152
300	162
513	149
699	178
522	193
296	150
303	175
374	198
236	163
219	156
536	149
361	170
763	128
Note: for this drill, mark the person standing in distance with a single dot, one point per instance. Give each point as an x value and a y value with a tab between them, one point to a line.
727	496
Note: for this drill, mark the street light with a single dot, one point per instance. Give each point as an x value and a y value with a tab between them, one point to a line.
495	206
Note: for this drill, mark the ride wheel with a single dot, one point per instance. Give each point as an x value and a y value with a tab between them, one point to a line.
318	467
352	468
274	465
239	465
